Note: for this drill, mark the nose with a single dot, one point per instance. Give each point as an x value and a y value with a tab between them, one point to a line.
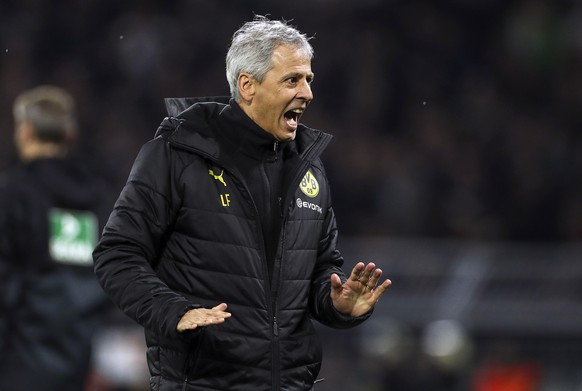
304	91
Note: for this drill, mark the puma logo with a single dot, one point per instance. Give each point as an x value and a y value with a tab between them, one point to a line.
217	177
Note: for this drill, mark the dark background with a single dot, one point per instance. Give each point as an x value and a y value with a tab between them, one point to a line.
456	118
457	128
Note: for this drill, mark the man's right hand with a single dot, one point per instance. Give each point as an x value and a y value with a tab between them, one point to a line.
198	317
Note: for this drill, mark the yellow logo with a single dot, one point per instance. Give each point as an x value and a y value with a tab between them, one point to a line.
224	198
309	185
218	177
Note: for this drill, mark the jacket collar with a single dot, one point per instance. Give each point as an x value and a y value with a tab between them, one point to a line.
175	106
192	125
242	135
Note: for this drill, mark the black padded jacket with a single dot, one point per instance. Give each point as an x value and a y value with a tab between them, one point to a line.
51	305
185	233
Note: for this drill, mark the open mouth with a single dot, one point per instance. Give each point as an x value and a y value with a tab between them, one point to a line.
292	117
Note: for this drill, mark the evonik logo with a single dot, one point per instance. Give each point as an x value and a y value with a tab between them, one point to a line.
308	205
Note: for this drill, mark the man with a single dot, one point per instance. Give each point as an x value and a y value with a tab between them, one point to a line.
229	206
51	210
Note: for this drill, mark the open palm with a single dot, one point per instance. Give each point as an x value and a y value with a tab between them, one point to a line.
360	292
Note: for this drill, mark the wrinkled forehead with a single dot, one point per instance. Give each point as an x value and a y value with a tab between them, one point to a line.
290	56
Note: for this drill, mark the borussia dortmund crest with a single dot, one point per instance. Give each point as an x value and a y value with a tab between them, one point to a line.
309	185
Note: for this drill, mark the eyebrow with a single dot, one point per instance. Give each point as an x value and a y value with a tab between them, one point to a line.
298	75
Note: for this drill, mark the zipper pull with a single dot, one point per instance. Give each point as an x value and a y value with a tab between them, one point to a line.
275	148
280	206
275	328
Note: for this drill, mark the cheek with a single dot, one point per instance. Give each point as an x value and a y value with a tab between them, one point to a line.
271	109
271	104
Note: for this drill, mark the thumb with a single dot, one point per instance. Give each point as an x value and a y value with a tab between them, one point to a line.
336	282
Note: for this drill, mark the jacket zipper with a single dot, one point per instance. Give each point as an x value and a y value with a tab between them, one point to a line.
275	327
192	358
314	148
273	293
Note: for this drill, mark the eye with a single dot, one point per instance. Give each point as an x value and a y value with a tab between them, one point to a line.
292	80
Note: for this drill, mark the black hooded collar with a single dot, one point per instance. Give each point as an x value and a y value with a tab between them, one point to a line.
222	118
175	106
244	136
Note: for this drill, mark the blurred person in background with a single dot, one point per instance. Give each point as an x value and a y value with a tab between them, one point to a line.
52	207
229	205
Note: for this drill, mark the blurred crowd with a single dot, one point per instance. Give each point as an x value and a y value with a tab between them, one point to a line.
452	118
456	118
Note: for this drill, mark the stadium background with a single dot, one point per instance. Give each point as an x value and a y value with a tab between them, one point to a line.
456	165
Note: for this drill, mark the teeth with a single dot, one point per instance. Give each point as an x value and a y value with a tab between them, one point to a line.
297	111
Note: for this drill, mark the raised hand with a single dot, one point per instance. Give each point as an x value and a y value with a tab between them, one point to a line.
360	292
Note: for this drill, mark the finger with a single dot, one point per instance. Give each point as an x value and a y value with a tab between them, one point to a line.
357	271
220	311
366	273
374	278
211	321
219	315
187	327
184	325
380	289
201	315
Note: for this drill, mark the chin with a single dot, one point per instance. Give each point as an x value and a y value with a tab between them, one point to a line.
287	137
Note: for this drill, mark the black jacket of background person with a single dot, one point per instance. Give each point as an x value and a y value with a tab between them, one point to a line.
187	232
50	301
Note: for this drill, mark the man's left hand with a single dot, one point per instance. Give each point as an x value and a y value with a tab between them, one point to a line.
360	292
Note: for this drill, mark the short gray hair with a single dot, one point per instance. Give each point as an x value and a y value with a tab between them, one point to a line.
49	110
252	47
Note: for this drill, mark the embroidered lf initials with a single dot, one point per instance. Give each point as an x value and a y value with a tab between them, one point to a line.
225	198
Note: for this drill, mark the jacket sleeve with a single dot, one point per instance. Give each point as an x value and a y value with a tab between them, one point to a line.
329	261
126	254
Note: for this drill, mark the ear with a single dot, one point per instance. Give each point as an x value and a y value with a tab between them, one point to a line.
23	133
23	138
246	87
